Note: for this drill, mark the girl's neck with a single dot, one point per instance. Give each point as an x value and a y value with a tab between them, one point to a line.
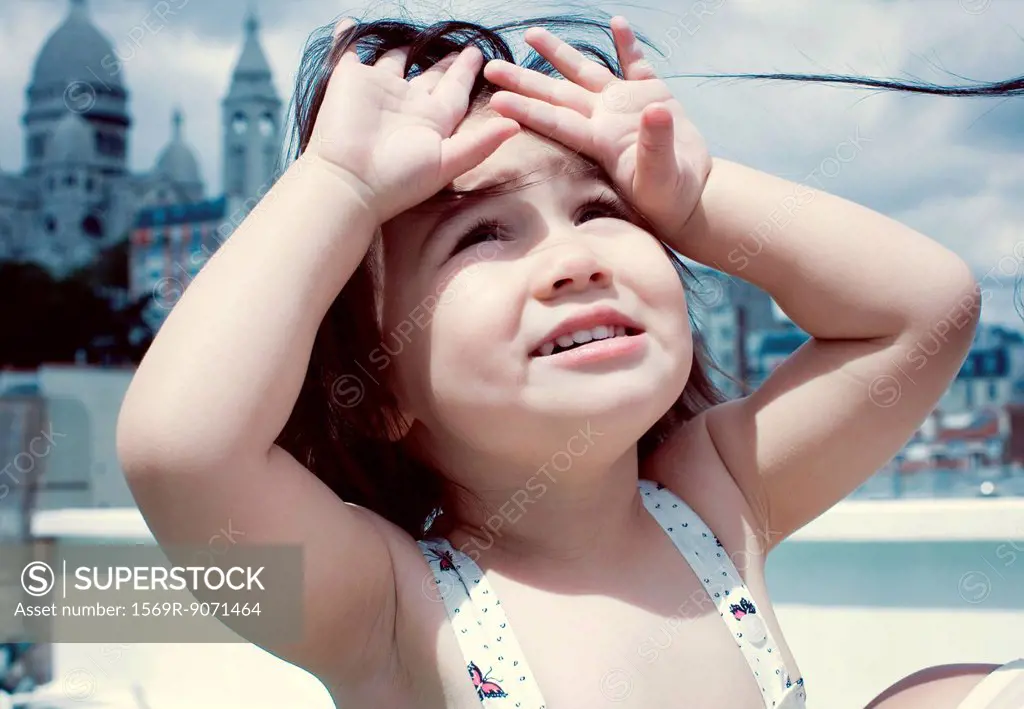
552	519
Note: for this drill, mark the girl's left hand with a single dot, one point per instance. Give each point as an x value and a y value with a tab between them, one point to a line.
634	129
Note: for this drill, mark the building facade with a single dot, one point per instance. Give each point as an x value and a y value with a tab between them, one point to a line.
169	245
733	316
991	375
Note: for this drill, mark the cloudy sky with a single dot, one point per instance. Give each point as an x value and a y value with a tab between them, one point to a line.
951	168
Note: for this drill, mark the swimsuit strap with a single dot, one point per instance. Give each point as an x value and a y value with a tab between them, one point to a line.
724	586
495	661
998	688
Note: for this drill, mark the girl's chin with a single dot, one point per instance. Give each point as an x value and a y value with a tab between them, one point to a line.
636	403
641	381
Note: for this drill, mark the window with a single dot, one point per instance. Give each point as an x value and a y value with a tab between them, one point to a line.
110	144
70	180
92	226
50	223
993	391
238	169
6	236
269	162
239	124
266	125
37	146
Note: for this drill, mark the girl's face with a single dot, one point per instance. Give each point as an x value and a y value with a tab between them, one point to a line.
474	299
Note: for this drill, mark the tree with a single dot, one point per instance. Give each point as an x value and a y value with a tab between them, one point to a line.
52	320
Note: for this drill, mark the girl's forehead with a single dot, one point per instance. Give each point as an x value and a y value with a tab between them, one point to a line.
523	156
523	159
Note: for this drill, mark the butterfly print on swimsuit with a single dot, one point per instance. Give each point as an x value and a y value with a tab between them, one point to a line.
445	559
485	688
744	607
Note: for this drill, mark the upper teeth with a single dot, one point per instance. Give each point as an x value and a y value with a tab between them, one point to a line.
580	337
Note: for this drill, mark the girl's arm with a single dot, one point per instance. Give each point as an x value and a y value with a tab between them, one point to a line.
891	313
197	427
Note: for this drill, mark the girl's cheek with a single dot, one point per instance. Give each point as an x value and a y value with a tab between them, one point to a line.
478	309
469	268
657	279
473	284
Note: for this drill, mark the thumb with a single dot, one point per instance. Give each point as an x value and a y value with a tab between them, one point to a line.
466	149
656	167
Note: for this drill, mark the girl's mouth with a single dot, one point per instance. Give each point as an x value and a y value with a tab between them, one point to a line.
584	338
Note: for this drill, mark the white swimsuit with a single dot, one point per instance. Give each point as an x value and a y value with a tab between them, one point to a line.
496	663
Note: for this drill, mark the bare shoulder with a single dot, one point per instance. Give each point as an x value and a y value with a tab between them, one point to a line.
689	464
939	687
409	672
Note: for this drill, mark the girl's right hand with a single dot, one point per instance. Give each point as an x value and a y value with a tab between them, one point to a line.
392	139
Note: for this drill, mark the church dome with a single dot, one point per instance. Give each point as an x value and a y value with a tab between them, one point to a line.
177	161
72	141
72	50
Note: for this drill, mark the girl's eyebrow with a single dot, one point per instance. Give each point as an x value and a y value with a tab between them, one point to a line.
455	206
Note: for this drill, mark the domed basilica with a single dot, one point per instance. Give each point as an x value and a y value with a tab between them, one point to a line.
75	195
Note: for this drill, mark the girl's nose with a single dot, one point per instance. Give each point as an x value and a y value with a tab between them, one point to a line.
570	268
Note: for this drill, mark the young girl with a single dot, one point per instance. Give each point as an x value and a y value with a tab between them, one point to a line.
450	354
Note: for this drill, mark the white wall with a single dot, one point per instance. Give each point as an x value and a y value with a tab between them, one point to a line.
77	445
86	404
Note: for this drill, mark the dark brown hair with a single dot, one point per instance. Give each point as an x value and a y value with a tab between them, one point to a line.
345	419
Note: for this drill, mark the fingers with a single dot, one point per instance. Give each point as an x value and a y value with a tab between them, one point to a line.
453	88
470	147
656	166
560	124
533	84
394	61
631	57
569	62
429	79
342	25
341	30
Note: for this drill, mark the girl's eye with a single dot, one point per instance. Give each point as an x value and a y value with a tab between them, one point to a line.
483	230
604	207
